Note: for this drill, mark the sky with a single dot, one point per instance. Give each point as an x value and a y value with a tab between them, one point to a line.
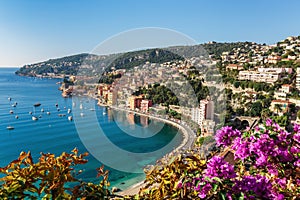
37	30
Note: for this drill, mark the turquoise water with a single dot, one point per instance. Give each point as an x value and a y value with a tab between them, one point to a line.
55	134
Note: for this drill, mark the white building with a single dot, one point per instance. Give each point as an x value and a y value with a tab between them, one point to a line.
298	79
205	111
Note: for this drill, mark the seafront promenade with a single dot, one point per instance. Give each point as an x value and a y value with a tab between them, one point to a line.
187	143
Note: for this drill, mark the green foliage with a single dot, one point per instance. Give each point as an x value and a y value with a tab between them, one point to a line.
204	140
256	109
162	180
281	120
132	59
109	78
67	65
47	178
217	49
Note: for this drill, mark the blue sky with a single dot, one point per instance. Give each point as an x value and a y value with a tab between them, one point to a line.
36	30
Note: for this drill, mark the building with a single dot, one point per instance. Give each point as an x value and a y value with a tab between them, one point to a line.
135	102
267	77
286	88
298	78
234	67
208	127
280	106
145	104
203	112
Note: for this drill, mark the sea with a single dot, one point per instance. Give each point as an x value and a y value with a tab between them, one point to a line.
124	142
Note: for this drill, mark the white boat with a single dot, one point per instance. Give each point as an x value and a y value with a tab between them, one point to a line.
92	109
81	106
30	113
10	128
42	110
9	98
48	113
70	118
69	111
81	114
17	117
34	118
11	112
58	109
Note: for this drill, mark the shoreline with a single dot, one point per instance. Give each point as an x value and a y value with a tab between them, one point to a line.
187	142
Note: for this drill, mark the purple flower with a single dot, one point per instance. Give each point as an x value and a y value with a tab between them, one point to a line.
297	128
297	163
295	149
226	135
269	122
296	137
204	190
241	147
179	185
259	185
281	182
217	167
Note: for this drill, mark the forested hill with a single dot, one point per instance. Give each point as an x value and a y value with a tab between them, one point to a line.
70	65
64	65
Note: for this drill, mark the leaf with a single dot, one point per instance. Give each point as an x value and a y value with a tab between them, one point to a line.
223	195
242	197
217	179
215	187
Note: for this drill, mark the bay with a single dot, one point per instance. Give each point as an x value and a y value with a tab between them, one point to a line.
56	134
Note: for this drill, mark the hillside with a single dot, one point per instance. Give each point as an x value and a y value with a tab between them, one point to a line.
95	65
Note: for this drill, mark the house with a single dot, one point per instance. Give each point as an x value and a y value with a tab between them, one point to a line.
205	110
286	88
135	102
234	67
145	104
283	106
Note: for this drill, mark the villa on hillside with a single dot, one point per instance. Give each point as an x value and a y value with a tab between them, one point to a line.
280	106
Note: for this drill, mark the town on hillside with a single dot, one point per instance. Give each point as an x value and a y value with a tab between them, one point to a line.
236	84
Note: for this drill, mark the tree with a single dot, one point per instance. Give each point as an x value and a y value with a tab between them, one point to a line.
256	109
278	108
265	114
236	84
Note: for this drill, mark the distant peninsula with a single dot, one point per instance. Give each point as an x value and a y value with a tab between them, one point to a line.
70	65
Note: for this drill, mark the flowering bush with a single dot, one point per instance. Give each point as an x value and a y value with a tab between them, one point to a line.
266	165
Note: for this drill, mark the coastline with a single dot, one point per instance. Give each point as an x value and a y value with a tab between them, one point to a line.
187	142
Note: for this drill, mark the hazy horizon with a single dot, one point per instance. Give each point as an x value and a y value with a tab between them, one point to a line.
35	31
